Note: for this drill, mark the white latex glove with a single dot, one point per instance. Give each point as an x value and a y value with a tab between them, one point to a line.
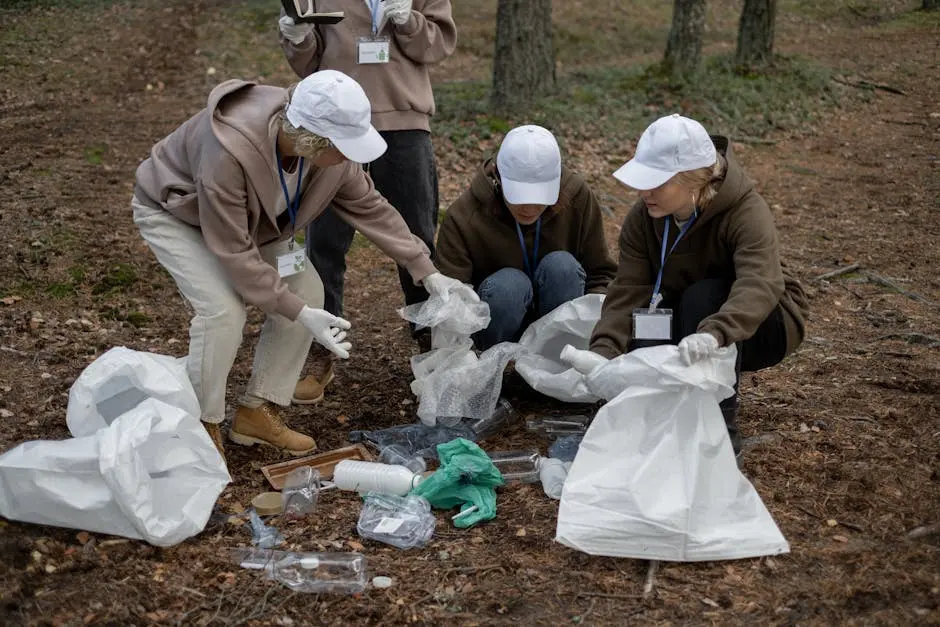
327	329
398	11
582	361
294	33
440	285
696	347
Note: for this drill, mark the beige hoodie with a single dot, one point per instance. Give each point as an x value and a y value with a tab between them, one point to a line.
400	90
218	172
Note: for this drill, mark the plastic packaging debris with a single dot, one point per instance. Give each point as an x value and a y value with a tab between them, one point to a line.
397	455
381	582
416	439
301	492
466	478
559	425
494	423
338	573
552	473
402	521
365	477
565	448
263	536
451	317
517	466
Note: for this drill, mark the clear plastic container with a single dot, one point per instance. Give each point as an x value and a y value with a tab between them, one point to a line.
405	522
301	492
517	466
560	425
501	417
398	455
365	477
342	573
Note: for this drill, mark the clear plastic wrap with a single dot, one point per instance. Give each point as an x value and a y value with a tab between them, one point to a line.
301	492
405	522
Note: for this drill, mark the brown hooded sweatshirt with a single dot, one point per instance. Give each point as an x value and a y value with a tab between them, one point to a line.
478	236
218	172
400	90
733	239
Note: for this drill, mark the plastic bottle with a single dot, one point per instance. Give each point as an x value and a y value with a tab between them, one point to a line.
517	466
494	423
374	477
553	473
343	573
397	455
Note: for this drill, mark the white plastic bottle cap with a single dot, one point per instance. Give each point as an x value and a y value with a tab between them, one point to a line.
382	582
310	562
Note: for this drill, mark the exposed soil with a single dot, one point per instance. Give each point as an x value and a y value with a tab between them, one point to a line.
845	433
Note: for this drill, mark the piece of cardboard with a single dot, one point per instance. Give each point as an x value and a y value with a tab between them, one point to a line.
276	474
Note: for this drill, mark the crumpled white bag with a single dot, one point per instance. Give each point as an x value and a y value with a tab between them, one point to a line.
152	474
539	361
655	476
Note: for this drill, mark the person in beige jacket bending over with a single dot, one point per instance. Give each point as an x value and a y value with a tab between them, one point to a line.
219	201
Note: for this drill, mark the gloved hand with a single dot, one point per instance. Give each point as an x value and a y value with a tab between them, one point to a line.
294	33
398	11
582	361
327	329
443	286
696	347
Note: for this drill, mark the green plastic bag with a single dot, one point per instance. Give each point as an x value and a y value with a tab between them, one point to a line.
466	478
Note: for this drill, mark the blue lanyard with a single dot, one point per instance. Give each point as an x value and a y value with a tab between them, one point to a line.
292	207
374	7
663	254
530	267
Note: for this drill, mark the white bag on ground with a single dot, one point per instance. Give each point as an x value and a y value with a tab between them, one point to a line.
119	380
152	474
539	361
655	476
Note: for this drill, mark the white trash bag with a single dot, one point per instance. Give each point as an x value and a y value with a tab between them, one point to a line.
119	380
655	476
152	474
539	361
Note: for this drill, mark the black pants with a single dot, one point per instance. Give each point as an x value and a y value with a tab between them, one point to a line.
765	348
407	176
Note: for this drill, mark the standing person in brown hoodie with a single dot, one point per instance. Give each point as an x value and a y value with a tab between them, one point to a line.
701	242
388	46
219	201
528	235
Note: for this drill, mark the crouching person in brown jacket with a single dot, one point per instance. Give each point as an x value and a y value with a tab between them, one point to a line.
219	201
701	242
528	235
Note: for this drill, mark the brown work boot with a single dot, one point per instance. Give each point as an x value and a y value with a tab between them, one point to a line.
263	425
215	434
309	390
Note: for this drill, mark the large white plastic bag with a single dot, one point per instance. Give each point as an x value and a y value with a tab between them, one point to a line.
152	474
655	476
119	380
539	361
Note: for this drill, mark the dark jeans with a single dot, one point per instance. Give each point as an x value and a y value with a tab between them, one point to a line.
407	176
558	279
765	348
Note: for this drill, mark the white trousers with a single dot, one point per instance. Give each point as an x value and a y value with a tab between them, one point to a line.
215	332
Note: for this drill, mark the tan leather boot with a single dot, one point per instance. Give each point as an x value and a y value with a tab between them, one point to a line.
263	425
215	434
310	389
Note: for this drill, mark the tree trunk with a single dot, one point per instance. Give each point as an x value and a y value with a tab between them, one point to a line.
930	5
756	33
524	59
684	49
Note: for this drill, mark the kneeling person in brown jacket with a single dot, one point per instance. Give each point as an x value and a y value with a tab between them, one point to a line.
528	235
702	242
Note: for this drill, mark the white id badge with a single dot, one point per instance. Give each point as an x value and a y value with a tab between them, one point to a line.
373	50
291	263
656	325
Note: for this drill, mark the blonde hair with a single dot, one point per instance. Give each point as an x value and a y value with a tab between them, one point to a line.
305	143
704	182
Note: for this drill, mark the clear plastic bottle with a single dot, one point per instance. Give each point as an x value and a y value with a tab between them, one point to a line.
338	573
517	466
494	423
365	477
397	455
553	473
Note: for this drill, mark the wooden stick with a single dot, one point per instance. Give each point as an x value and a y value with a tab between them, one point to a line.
650	585
838	272
880	280
756	140
911	338
605	595
863	84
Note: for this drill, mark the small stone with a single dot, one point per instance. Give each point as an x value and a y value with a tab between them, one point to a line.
804	428
45	375
832	522
520	533
50	568
382	582
210	71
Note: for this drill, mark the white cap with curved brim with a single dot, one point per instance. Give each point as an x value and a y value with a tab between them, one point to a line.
529	166
333	105
670	145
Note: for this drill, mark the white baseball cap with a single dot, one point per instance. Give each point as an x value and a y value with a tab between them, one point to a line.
529	165
668	146
333	105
